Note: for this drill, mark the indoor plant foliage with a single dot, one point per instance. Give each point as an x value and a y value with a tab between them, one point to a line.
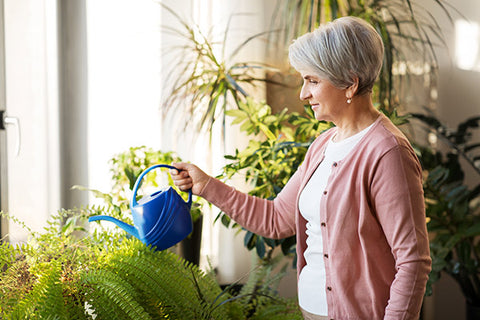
278	145
452	206
126	167
409	33
60	275
67	273
206	77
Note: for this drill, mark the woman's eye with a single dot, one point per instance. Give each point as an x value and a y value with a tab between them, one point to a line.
313	81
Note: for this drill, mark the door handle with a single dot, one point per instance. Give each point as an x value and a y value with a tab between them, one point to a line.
11	121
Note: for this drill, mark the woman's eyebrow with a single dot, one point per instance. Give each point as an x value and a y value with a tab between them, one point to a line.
312	77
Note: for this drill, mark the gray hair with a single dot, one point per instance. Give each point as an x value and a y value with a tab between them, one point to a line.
340	51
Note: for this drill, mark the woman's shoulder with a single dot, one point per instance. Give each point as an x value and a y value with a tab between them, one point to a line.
385	136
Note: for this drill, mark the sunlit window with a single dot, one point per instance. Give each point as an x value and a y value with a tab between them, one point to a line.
123	81
467	45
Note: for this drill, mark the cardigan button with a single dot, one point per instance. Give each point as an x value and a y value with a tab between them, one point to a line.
323	224
325	192
335	164
325	255
329	288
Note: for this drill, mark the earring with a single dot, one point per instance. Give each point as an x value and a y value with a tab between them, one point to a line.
349	100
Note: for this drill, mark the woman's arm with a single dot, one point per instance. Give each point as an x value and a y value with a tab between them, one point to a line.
398	201
269	218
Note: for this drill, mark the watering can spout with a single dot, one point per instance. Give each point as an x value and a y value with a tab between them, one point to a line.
125	226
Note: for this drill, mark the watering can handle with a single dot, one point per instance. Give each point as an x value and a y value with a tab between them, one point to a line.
133	201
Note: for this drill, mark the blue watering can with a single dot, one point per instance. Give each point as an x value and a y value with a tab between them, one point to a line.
161	219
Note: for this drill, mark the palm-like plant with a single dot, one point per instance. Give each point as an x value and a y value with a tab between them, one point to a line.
205	78
409	32
452	206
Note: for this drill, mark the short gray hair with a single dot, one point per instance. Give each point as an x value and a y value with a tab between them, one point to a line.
339	51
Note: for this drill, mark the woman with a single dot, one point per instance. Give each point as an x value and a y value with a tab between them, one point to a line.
356	203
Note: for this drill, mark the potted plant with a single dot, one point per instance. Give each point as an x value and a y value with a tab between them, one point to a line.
409	32
125	168
452	206
207	79
66	272
278	145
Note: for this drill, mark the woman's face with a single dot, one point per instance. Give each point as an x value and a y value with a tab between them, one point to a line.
327	101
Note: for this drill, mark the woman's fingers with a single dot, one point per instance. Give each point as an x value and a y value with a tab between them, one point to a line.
189	176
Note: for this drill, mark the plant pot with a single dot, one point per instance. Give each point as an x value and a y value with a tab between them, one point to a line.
189	248
472	312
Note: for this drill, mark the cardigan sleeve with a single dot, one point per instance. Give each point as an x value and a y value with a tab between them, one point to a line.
269	218
398	201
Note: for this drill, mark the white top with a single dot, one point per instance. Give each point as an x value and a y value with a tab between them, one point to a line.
311	283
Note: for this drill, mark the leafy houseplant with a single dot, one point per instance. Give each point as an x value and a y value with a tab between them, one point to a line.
206	78
453	207
279	145
409	33
67	273
126	167
59	275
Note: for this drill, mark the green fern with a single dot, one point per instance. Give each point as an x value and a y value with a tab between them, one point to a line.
110	293
282	310
7	254
180	289
45	298
69	273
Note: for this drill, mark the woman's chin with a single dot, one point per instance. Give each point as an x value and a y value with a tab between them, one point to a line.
319	116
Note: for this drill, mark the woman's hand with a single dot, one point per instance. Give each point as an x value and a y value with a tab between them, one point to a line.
189	176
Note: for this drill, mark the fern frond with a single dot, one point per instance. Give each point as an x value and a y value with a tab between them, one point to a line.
46	297
109	293
282	310
181	289
7	255
15	283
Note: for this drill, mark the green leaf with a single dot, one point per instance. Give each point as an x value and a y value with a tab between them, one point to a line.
473	230
249	240
225	220
260	247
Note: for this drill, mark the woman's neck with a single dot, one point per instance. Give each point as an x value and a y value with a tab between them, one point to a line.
360	114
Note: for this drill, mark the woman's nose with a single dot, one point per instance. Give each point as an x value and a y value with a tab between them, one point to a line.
304	93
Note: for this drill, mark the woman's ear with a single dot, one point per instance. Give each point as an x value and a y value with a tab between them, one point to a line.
352	90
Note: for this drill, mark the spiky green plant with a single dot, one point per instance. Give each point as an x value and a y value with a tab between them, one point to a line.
409	31
206	78
278	145
66	275
452	205
67	272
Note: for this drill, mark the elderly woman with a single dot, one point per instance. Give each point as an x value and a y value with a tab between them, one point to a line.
356	203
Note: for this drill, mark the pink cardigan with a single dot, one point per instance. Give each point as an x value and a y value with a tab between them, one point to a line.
374	233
